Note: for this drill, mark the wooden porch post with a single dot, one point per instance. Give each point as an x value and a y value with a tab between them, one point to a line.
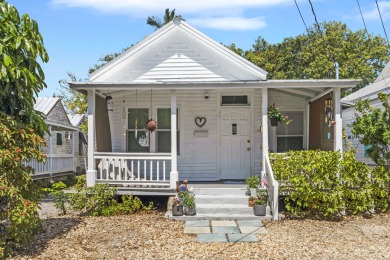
50	151
338	130
91	172
73	153
174	175
264	120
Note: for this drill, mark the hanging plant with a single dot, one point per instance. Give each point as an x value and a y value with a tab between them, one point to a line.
275	115
151	125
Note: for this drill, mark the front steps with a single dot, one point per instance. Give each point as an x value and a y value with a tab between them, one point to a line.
221	204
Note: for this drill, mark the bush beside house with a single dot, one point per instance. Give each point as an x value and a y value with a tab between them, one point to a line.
323	183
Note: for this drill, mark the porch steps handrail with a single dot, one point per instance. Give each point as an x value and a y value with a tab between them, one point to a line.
273	188
138	156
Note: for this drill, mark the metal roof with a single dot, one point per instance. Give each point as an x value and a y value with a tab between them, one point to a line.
45	105
76	119
379	85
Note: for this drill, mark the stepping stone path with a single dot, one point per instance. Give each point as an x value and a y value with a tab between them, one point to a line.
219	231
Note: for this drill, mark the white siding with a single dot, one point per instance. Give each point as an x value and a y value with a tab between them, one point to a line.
198	155
349	118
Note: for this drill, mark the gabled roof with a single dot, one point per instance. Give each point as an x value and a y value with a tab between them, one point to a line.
45	105
382	83
178	53
76	119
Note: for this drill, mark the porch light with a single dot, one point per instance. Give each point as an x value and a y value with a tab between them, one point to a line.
328	111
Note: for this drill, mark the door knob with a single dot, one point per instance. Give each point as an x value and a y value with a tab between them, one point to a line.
248	149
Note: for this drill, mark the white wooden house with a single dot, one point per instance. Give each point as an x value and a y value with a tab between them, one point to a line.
62	140
369	92
215	100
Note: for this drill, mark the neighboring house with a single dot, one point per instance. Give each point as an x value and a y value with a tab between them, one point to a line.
62	141
215	100
370	92
81	141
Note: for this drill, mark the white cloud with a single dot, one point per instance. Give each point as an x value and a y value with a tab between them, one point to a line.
218	14
373	14
229	23
189	6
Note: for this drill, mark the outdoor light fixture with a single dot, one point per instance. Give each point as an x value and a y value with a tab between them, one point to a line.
108	98
328	111
206	95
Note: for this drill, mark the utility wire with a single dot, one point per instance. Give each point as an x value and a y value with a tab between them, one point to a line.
301	16
370	40
321	33
382	22
361	14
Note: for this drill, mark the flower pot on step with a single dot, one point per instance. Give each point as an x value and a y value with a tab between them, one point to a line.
260	210
177	210
190	211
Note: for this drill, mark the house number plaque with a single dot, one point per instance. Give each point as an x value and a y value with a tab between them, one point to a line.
200	121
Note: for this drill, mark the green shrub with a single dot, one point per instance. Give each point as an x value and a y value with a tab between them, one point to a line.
59	196
99	201
323	183
253	181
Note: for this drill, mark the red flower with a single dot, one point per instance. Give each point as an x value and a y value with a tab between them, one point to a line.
19	150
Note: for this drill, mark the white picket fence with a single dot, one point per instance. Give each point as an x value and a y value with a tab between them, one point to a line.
54	164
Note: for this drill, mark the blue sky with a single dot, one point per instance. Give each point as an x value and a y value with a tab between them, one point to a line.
78	32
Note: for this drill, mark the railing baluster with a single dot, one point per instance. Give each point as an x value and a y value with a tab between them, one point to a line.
132	169
151	169
164	170
158	170
145	171
139	178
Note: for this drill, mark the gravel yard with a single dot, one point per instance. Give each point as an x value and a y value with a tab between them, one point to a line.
152	236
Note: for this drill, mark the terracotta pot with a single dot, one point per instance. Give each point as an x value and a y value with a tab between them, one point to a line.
151	125
251	203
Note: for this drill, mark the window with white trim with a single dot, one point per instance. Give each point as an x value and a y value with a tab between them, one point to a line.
138	138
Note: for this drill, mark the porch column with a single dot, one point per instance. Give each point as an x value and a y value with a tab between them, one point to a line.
174	175
338	130
91	172
264	123
50	151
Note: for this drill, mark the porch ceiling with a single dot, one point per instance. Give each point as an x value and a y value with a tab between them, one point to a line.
305	88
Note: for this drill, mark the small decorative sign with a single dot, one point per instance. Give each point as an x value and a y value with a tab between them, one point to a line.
200	121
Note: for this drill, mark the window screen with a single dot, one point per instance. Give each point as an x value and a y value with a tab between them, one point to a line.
59	139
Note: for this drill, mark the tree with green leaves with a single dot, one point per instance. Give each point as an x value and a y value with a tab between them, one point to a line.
372	127
21	127
312	55
156	22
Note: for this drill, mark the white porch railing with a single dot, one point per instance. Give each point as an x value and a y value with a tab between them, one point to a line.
133	168
54	164
273	188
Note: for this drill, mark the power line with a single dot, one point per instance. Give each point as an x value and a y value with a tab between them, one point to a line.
301	16
382	22
320	32
361	14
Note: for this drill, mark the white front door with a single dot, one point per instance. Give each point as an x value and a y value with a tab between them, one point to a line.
235	143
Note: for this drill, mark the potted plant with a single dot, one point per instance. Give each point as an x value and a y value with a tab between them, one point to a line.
177	207
189	203
260	208
253	183
251	201
276	116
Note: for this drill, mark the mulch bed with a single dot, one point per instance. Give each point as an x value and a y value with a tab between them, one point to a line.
151	236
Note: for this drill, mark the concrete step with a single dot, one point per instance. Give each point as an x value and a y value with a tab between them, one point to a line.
221	199
228	209
217	217
220	191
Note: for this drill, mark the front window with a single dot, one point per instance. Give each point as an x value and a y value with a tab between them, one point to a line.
138	138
